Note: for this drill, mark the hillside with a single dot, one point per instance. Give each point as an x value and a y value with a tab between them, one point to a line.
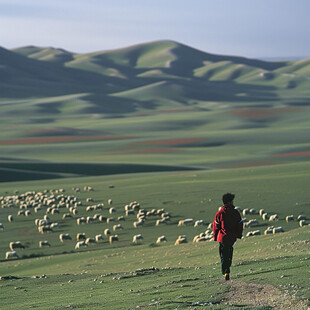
139	104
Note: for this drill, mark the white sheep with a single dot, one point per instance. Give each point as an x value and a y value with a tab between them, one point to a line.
301	217
90	240
16	245
277	230
269	230
98	238
107	232
110	202
198	223
112	210
80	244
253	233
161	239
265	216
2	226
110	219
139	223
67	216
90	208
45	229
252	211
181	239
10	218
80	236
11	254
261	212
273	217
161	221
113	239
245	212
117	227
63	237
185	222
43	243
289	218
137	239
302	223
89	219
81	220
250	223
238	209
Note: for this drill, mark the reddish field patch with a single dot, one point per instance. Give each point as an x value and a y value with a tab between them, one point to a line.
60	139
168	142
249	164
293	154
262	112
150	151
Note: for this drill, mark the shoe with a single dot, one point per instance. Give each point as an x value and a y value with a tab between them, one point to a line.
227	276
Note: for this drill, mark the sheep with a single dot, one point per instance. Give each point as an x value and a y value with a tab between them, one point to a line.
55	225
110	219
110	202
301	217
121	218
16	245
46	217
250	223
80	244
10	218
67	216
117	227
269	230
2	226
238	209
273	217
63	237
90	240
261	212
185	222
265	216
289	218
137	238
129	212
81	220
302	223
181	239
113	239
45	229
253	233
107	232
161	239
21	212
89	219
88	188
90	208
198	223
75	211
161	221
89	199
245	212
98	238
37	209
112	210
252	211
43	243
80	236
277	230
11	254
55	210
139	223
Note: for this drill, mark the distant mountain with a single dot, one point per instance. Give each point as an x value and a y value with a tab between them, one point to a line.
149	76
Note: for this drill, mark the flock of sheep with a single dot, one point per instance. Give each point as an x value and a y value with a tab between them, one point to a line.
51	202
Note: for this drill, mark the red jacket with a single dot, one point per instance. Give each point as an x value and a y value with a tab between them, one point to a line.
227	225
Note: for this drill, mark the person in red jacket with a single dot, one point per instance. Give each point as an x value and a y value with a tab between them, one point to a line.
227	227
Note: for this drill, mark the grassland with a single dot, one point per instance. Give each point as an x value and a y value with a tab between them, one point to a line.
170	127
110	275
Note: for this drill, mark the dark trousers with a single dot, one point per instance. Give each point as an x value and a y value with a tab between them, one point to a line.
226	254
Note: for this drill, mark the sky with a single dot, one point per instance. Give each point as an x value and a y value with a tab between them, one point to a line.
273	29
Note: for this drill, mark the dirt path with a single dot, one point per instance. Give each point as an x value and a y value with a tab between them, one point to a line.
250	294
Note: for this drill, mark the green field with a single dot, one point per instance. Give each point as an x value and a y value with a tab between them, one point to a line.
169	127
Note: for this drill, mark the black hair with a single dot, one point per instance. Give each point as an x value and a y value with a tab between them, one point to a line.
228	197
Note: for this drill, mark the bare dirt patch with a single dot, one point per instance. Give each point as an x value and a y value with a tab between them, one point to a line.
251	294
293	154
174	142
261	112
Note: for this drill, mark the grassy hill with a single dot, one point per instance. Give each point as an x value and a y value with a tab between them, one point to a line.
268	270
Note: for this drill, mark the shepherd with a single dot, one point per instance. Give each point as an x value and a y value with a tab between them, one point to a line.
227	227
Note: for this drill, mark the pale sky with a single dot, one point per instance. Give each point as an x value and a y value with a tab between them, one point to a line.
250	28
